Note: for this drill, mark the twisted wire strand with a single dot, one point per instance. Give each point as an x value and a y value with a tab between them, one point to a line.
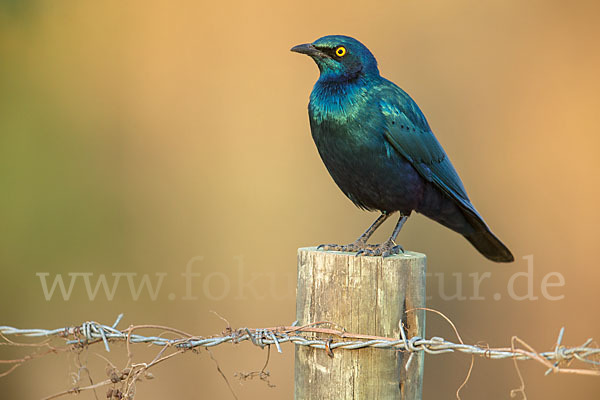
91	331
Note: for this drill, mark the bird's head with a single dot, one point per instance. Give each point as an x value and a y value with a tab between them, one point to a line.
340	58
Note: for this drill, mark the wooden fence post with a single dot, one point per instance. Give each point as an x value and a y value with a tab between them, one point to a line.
364	295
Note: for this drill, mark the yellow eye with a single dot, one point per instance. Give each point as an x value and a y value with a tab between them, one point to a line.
340	51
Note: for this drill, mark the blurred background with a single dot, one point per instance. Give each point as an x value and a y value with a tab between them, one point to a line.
145	137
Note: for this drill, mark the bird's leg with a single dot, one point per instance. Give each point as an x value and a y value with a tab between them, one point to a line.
389	247
362	239
360	243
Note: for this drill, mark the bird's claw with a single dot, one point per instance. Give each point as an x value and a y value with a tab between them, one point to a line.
357	246
385	249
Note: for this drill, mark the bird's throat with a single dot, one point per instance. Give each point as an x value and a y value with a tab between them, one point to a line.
337	101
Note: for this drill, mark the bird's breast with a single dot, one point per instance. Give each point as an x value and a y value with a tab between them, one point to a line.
349	136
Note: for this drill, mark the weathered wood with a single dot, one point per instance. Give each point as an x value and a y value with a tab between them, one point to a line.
365	295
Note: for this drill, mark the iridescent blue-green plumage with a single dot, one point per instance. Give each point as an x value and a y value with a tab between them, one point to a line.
379	148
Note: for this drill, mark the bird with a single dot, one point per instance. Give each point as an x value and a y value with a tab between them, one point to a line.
381	152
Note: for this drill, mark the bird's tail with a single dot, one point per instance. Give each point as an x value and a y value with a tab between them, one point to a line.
490	246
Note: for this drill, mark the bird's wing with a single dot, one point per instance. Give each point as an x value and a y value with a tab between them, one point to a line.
408	132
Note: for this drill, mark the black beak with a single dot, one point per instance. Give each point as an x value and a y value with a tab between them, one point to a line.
307	49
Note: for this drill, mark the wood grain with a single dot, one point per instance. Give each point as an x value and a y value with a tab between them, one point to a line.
365	295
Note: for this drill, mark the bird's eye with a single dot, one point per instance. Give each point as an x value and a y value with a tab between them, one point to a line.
340	51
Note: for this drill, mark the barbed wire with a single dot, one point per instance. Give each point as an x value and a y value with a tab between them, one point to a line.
91	331
313	335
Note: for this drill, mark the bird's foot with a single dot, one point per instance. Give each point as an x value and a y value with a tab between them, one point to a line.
357	246
385	249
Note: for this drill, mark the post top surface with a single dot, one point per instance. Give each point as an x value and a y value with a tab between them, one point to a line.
405	256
